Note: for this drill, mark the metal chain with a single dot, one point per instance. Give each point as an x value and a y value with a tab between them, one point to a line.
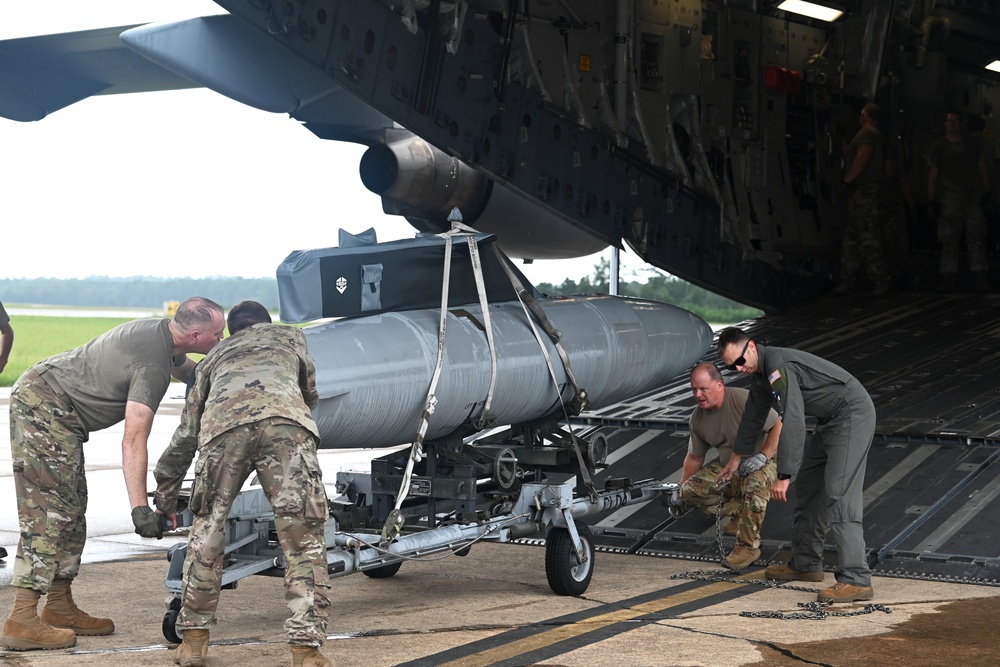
814	610
713	575
718	529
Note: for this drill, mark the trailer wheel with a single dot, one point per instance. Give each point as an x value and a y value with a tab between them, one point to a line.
566	574
169	626
383	572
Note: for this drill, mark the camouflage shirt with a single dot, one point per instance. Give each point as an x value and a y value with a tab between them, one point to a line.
261	372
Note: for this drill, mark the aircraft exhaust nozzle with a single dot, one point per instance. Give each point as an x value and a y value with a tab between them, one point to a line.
422	183
415	175
373	372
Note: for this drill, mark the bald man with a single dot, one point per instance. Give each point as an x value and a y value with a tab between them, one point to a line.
721	488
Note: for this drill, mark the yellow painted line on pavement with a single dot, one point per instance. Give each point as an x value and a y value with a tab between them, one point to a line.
564	632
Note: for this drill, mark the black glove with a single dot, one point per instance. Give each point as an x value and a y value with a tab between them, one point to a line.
147	522
752	464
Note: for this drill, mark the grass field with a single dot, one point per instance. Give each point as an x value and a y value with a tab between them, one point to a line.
38	337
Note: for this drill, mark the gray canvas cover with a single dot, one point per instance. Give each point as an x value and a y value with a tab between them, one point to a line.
363	277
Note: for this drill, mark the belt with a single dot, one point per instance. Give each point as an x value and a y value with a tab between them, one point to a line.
47	378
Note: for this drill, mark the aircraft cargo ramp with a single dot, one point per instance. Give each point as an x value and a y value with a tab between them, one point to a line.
932	365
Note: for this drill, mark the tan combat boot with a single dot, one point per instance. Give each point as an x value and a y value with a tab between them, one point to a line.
844	592
24	631
741	557
193	650
308	656
61	612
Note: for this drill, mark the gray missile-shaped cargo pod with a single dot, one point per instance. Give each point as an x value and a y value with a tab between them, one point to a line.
373	372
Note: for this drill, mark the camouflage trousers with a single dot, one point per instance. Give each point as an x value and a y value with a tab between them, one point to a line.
46	443
744	498
861	245
284	456
960	212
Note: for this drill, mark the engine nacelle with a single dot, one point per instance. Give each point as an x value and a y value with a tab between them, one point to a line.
423	184
415	179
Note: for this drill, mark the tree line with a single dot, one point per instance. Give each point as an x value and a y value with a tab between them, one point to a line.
659	286
141	292
146	292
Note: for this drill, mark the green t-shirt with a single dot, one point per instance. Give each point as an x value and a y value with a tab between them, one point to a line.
129	363
717	428
874	170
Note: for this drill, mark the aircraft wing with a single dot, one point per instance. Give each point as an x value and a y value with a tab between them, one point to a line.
225	53
40	75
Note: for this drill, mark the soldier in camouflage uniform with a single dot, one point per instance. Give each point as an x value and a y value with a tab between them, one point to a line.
721	488
54	406
861	250
249	410
957	171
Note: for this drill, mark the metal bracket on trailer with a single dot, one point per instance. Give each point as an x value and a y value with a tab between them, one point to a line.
550	508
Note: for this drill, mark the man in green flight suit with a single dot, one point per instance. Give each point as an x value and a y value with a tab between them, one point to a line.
828	467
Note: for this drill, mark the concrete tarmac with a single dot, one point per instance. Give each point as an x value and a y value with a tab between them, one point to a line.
494	606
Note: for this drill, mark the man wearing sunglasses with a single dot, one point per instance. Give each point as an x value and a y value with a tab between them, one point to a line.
828	467
726	487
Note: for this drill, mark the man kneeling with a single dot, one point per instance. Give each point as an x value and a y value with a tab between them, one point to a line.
744	498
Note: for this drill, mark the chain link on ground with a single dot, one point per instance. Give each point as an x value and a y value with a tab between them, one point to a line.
814	610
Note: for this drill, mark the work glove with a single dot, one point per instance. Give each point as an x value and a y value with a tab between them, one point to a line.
147	522
673	501
752	464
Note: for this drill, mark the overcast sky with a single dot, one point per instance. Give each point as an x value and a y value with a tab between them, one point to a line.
178	183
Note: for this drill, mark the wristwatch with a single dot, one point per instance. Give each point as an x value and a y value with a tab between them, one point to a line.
783	476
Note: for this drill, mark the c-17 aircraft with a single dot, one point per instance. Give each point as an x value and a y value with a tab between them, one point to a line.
706	136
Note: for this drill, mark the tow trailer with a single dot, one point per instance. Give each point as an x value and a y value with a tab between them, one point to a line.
553	509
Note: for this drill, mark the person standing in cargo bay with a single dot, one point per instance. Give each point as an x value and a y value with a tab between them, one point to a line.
861	247
728	487
957	175
250	410
54	406
828	467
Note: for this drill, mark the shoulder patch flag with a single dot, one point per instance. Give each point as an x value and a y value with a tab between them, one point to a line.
778	382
